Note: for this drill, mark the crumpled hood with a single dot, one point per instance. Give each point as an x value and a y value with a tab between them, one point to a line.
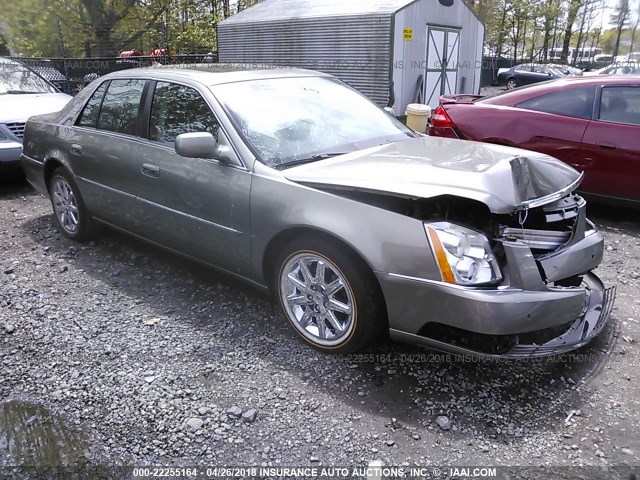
18	108
503	178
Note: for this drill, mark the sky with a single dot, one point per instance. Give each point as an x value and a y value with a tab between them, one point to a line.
605	14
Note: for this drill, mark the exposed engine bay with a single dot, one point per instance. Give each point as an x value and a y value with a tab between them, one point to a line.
542	229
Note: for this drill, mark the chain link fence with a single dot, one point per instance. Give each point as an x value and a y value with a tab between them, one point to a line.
70	75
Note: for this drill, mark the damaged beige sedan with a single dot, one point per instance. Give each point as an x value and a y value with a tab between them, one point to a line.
301	186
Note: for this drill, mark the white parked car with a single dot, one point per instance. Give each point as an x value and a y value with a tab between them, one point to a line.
23	93
624	68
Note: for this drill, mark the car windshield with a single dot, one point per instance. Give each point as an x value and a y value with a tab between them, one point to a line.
557	71
17	79
289	121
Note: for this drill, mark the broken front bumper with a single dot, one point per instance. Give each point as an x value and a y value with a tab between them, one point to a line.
598	307
551	301
507	314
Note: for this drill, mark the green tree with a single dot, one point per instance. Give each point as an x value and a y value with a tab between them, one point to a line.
572	13
4	48
117	23
551	11
634	30
620	19
103	27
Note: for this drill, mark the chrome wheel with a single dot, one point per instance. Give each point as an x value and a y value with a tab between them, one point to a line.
65	206
317	298
511	84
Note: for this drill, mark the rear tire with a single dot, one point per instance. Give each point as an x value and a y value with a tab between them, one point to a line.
69	210
329	295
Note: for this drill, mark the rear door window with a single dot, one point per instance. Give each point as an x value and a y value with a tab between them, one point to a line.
178	109
577	103
121	106
89	115
620	105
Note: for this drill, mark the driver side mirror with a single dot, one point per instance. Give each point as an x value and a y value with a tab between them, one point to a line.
200	145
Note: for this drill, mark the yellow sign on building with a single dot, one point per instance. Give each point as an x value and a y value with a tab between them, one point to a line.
408	34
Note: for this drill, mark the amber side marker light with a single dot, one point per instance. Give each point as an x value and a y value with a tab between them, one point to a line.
441	255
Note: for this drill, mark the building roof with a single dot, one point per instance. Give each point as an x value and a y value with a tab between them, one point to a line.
273	10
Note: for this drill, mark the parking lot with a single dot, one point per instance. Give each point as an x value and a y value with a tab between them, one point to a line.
116	351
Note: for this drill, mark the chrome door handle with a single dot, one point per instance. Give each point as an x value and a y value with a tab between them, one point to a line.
75	149
150	170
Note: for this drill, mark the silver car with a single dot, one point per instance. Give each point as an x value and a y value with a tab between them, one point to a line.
22	94
298	184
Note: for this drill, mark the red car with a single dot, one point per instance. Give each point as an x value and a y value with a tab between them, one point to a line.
591	123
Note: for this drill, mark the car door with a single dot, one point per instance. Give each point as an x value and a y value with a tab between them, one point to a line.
525	75
521	74
540	73
193	205
102	150
554	123
611	144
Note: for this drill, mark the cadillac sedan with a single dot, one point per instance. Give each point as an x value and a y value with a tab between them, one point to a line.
360	227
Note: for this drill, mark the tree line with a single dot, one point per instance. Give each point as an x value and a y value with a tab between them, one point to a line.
520	29
514	29
102	28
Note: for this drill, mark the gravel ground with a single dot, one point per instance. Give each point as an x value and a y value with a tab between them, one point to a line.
155	360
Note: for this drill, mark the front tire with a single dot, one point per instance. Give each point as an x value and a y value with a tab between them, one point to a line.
69	210
511	84
329	295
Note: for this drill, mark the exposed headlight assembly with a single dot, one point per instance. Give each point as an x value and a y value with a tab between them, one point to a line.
463	255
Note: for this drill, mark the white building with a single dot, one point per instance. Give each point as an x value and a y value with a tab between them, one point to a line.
394	51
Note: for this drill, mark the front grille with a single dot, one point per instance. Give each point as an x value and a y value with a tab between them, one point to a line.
17	129
549	228
538	239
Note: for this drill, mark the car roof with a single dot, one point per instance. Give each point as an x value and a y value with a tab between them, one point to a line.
521	94
213	74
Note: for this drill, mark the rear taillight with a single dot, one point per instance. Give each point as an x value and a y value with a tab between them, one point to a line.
441	119
442	125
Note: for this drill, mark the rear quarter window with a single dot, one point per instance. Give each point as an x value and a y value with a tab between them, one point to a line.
90	112
577	103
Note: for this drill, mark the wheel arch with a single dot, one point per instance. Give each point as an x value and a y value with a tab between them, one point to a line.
50	165
281	239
